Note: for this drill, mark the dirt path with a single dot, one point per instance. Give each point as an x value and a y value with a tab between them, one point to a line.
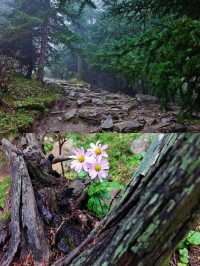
85	110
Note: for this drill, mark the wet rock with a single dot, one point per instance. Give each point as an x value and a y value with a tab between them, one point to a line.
179	128
70	114
128	126
167	121
97	101
72	94
83	101
151	121
107	123
143	98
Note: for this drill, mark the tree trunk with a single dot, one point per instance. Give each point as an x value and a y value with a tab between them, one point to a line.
26	227
46	218
154	213
79	67
43	49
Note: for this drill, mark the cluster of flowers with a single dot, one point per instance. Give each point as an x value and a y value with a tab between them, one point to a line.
94	161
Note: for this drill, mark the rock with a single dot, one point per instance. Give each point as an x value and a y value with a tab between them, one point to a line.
179	128
167	121
151	121
143	98
141	144
70	114
59	118
107	123
90	113
83	101
72	94
128	126
97	101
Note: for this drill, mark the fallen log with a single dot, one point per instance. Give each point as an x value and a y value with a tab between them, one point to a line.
154	213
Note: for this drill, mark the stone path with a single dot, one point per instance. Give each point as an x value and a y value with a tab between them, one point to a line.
85	110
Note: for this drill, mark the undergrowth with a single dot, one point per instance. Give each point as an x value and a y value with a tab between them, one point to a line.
4	192
27	98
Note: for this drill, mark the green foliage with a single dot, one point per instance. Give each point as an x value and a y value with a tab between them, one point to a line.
122	161
192	239
166	54
143	8
99	196
4	191
28	98
48	147
4	187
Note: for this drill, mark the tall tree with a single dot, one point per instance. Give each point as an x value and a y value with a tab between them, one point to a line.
31	30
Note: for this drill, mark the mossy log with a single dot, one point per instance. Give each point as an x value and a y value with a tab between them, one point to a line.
154	213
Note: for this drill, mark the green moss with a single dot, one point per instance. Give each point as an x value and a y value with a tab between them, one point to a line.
4	188
4	192
11	123
28	98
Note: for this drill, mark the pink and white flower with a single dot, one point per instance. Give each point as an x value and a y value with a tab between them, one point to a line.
98	168
81	160
98	150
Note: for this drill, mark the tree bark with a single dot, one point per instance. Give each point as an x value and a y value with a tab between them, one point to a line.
44	46
154	213
79	67
47	218
26	227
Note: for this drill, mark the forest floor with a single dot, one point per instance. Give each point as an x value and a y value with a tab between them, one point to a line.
26	99
84	109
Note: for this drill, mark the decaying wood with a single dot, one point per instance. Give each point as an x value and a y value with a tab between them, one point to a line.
154	212
41	201
25	221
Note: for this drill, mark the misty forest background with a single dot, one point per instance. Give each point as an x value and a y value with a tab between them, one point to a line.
149	46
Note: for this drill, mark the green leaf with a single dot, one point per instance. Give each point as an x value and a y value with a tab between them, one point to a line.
184	255
193	238
82	174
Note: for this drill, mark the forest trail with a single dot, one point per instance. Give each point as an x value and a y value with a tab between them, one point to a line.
84	109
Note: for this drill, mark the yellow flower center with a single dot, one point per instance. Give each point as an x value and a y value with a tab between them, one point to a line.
81	158
98	151
98	167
